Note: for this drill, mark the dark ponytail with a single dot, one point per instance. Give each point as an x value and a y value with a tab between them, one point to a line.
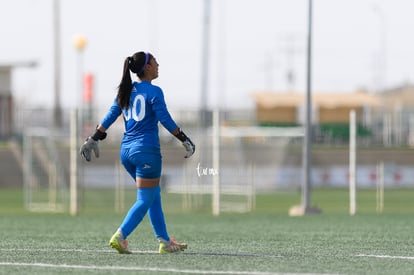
125	87
135	64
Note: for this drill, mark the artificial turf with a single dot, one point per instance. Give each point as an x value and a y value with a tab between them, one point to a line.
265	241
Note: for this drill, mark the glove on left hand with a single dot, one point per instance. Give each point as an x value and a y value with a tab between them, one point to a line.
189	147
187	143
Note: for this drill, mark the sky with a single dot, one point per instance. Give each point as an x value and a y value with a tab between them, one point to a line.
357	44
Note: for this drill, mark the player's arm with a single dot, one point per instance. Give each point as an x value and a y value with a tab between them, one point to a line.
100	128
161	111
92	142
186	141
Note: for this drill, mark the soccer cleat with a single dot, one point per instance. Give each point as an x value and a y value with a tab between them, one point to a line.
171	246
119	243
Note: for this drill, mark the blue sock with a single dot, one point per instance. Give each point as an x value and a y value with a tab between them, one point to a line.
156	216
145	198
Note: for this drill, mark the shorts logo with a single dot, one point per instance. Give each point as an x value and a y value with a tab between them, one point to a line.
146	166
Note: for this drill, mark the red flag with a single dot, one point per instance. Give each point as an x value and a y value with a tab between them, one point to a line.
88	87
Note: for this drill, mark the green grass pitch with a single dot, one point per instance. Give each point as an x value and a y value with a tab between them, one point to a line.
266	241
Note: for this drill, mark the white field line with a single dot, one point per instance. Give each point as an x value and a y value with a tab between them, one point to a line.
147	269
76	250
386	257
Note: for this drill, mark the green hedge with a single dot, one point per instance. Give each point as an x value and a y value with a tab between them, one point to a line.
341	130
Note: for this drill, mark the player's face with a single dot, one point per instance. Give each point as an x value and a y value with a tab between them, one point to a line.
153	68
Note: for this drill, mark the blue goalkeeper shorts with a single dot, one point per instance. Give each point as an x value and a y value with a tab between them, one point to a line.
141	162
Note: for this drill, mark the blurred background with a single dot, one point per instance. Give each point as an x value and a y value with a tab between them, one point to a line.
234	75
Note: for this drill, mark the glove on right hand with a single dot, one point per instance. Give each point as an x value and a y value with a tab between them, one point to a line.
87	148
91	144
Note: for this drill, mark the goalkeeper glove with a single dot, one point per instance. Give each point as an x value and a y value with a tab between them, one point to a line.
91	144
187	143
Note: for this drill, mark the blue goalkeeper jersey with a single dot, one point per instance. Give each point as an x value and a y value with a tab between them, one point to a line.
146	108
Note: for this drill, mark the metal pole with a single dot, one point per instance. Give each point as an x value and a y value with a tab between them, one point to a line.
216	162
352	163
306	184
203	140
205	64
57	111
380	187
304	207
73	208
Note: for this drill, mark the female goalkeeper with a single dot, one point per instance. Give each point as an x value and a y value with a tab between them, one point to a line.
142	106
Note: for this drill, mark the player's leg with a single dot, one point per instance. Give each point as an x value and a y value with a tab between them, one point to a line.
156	217
136	213
155	212
118	240
138	210
143	168
145	197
